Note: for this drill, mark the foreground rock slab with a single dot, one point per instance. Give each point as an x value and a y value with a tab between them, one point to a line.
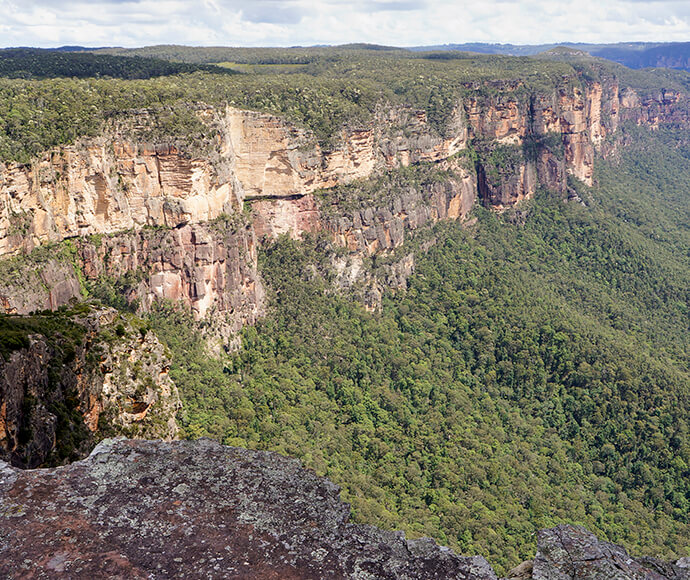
145	509
150	509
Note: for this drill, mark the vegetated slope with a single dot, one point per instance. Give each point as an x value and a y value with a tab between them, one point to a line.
531	374
35	63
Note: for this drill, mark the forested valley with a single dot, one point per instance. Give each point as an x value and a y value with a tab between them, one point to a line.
533	368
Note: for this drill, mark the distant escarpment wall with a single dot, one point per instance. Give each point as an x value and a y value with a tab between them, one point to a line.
186	228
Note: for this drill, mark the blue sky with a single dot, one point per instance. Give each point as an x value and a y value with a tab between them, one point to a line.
299	22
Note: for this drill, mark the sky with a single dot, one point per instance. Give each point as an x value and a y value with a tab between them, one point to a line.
130	23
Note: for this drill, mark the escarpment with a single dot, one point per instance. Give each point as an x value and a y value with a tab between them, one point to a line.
201	513
139	212
104	186
210	268
65	375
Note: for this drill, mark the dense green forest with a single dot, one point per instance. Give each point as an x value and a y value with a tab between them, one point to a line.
530	375
35	63
320	89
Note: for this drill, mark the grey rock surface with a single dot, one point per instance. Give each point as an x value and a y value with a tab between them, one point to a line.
149	509
568	552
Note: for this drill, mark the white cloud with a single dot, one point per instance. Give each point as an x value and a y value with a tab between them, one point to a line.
291	22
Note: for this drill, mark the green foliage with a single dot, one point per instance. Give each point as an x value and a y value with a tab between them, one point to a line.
322	89
501	160
34	63
529	376
58	327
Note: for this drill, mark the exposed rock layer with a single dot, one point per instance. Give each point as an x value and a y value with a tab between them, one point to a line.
210	268
567	552
137	509
146	509
100	374
112	183
116	186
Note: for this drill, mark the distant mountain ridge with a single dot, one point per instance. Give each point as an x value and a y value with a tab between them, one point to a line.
675	55
631	54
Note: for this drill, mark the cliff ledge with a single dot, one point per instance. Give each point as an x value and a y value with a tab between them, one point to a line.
149	509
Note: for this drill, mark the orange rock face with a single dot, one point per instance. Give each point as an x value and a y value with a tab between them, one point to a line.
114	185
121	378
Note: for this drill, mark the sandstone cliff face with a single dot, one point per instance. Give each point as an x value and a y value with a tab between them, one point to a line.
209	268
199	512
271	158
119	187
659	107
379	227
369	226
570	118
112	183
100	373
106	186
33	283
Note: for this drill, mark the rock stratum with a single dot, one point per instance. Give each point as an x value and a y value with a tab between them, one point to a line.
115	182
149	509
144	212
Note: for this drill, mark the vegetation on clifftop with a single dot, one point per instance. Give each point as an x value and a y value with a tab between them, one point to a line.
332	88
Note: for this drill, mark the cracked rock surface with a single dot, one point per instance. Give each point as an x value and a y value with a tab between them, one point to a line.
568	552
150	509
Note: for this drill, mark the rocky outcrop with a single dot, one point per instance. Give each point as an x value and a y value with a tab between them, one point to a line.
65	376
654	108
557	132
103	186
567	552
371	229
38	282
144	509
270	158
209	268
147	509
366	224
